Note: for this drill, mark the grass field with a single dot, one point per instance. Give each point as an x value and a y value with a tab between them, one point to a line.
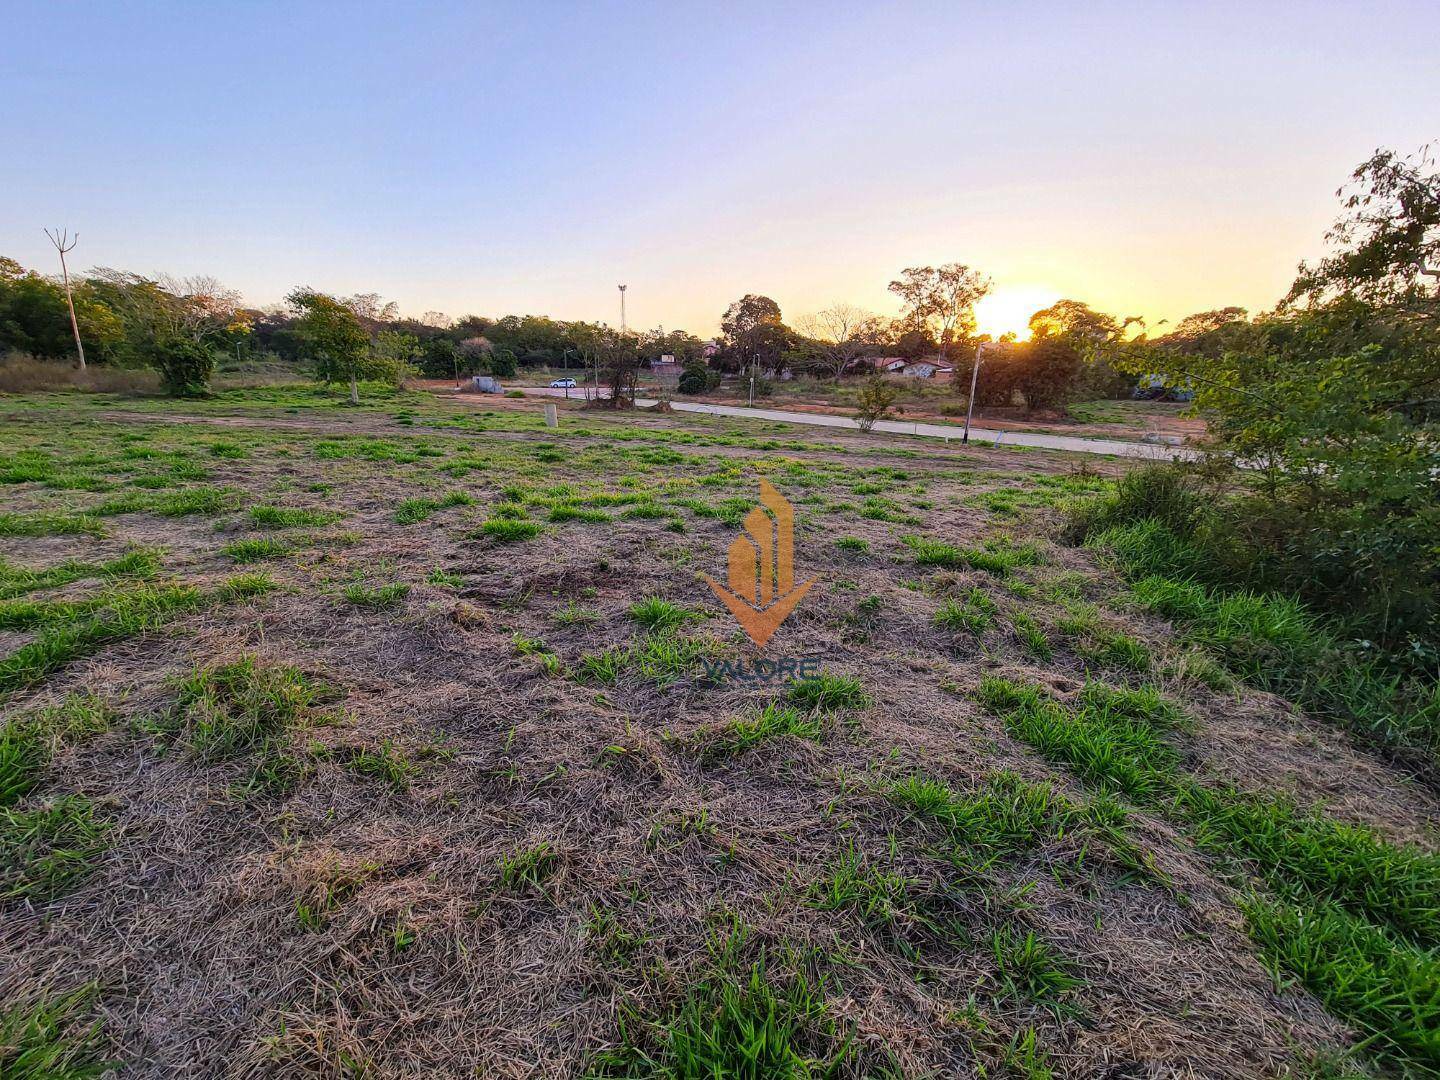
379	742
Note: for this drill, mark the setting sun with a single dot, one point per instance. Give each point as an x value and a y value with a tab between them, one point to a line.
1007	310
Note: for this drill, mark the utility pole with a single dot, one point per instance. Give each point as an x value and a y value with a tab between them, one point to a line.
974	375
622	308
64	242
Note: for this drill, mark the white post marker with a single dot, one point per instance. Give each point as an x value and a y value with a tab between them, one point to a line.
552	418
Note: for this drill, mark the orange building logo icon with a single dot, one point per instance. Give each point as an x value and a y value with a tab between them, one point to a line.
762	588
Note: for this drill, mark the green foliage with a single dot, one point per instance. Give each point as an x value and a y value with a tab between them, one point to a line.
1032	635
413	511
46	850
29	740
973	613
1002	819
185	365
231	708
1028	969
386	762
1188	569
746	1026
879	898
1360	974
772	722
998	555
873	401
49	523
49	1039
125	615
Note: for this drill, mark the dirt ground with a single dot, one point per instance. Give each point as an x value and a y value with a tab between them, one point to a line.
368	919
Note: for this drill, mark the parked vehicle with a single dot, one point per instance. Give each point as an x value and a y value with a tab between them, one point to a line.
563	384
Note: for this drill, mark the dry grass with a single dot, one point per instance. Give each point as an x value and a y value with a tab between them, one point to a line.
481	862
22	374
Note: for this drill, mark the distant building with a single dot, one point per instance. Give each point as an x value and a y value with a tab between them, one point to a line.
889	364
927	369
664	362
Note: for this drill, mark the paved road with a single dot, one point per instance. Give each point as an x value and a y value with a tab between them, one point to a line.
948	432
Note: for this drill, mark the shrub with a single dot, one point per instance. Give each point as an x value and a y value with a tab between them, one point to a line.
185	365
873	401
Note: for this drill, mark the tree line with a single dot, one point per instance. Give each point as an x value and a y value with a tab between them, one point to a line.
179	326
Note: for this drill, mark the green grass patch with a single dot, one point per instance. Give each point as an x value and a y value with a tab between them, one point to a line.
234	708
413	511
772	722
528	868
29	740
656	614
290	517
973	613
1028	969
376	597
828	692
570	512
737	1022
1387	990
46	850
999	555
52	1038
510	531
142	563
49	523
1001	820
1031	635
386	763
249	551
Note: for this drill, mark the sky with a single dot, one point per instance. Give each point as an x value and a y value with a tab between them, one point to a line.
1151	159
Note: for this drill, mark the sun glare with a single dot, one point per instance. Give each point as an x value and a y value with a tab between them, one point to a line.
1007	310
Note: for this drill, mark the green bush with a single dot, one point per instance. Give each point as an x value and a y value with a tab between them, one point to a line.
185	366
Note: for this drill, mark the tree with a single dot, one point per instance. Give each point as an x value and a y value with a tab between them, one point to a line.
941	300
873	401
440	359
1081	345
841	335
333	337
1387	241
754	334
1327	413
1050	368
914	343
616	356
394	354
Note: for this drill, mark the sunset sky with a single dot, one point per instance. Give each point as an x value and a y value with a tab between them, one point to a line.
1150	159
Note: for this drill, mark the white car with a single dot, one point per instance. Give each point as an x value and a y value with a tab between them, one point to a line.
562	384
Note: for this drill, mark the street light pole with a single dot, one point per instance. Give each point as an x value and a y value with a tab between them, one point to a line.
974	375
622	308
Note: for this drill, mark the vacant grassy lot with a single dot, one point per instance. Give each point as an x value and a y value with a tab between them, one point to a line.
379	743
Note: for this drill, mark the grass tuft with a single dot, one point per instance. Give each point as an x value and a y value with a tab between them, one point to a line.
828	692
